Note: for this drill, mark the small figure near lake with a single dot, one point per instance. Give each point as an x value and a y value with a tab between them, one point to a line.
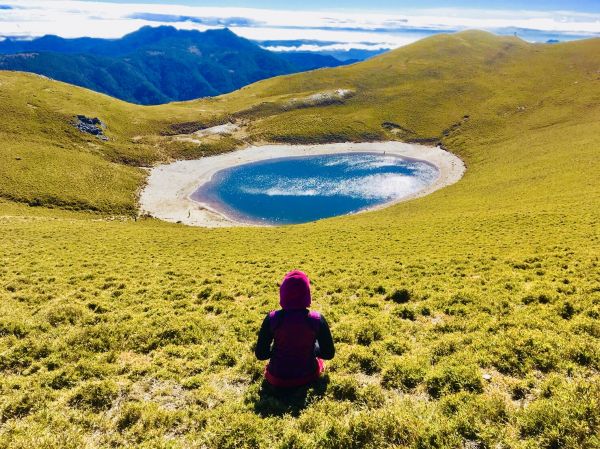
294	339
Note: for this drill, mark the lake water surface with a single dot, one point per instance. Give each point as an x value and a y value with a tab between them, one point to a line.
307	188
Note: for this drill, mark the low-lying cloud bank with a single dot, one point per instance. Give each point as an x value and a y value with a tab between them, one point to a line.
280	30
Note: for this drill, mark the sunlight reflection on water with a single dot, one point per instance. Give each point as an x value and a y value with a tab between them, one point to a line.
302	189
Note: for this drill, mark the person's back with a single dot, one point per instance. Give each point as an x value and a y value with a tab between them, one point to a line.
301	338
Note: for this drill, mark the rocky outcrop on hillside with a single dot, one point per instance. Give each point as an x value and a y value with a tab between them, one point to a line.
91	125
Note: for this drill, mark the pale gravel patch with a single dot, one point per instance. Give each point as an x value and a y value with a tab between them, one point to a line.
219	130
169	186
320	98
226	128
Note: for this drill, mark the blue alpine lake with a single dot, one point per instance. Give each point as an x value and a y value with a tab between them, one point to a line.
302	189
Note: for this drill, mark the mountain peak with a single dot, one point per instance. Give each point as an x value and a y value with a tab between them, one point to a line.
151	34
157	64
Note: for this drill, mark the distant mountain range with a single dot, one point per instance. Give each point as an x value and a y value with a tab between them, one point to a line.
156	64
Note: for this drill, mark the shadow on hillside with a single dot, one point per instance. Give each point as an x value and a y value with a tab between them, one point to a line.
280	401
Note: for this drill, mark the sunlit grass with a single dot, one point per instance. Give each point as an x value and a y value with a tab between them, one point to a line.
467	318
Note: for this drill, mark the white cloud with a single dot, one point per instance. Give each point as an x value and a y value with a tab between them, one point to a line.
111	20
330	47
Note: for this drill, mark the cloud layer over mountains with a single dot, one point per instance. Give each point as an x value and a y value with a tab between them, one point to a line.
284	30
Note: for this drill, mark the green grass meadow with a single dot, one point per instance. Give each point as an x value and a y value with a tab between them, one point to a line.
469	318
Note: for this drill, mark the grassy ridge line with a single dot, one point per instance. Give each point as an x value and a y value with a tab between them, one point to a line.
431	93
505	86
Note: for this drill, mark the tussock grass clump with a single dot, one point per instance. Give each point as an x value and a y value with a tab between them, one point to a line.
452	378
97	395
22	405
400	296
565	417
405	374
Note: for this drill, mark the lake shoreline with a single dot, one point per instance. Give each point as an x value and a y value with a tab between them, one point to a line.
167	194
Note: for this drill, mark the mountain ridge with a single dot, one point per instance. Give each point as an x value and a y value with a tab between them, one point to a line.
155	65
425	94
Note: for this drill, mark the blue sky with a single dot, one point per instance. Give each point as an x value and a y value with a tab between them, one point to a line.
390	5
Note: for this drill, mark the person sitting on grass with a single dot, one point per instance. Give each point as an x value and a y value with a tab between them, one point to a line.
295	339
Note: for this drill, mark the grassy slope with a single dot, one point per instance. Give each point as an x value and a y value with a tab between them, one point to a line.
505	85
115	332
47	161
